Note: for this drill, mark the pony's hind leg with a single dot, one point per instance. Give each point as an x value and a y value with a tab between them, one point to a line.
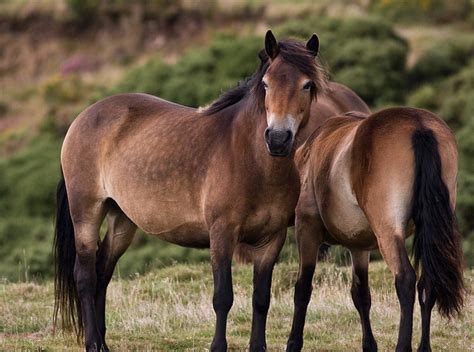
361	296
427	300
392	247
86	220
120	233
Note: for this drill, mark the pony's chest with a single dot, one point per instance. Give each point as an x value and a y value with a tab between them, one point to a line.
268	218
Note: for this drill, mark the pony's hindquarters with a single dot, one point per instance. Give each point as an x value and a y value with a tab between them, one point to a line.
66	304
437	243
405	168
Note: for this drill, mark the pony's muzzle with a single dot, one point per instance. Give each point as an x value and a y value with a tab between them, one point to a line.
279	142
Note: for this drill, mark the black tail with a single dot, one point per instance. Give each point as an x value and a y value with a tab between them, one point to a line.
66	302
437	243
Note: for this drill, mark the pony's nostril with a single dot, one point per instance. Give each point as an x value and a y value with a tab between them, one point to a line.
267	135
289	135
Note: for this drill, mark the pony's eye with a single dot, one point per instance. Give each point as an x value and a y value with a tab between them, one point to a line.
265	85
308	86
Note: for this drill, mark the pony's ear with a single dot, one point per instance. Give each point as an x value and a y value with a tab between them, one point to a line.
313	45
271	45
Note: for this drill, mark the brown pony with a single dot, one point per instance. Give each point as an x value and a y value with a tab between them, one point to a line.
366	181
212	178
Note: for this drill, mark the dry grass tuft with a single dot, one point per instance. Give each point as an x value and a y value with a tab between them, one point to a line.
171	309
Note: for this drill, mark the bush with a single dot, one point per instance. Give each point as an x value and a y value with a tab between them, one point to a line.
365	54
428	10
84	12
3	108
442	59
25	248
200	75
452	98
28	179
63	89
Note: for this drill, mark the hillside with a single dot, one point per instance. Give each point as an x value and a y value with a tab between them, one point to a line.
172	309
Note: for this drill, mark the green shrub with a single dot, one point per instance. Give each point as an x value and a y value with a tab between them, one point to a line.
199	76
25	248
424	97
28	179
363	53
442	59
427	10
63	89
465	211
452	98
3	108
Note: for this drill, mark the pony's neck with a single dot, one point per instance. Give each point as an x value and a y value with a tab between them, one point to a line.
250	125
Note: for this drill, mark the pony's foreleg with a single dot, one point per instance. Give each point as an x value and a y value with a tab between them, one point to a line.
264	261
86	235
308	232
361	296
427	300
119	237
392	247
222	244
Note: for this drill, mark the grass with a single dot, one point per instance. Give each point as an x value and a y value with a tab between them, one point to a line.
170	309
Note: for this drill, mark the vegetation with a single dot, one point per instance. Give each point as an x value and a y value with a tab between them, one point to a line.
418	53
171	309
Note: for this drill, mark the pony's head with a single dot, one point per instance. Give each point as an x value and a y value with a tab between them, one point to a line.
283	87
289	84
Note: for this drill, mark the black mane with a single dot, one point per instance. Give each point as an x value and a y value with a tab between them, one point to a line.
292	52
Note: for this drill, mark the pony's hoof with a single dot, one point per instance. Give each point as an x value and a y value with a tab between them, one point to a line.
370	346
219	346
424	348
294	346
94	347
403	349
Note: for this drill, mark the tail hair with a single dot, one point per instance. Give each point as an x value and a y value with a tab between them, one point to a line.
437	242
66	302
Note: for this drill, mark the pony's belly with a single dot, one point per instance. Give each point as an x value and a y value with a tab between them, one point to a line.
192	235
348	218
172	221
182	229
350	228
344	219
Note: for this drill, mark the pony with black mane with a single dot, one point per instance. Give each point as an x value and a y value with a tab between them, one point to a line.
205	179
219	177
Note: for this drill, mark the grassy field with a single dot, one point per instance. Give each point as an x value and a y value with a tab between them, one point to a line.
171	309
